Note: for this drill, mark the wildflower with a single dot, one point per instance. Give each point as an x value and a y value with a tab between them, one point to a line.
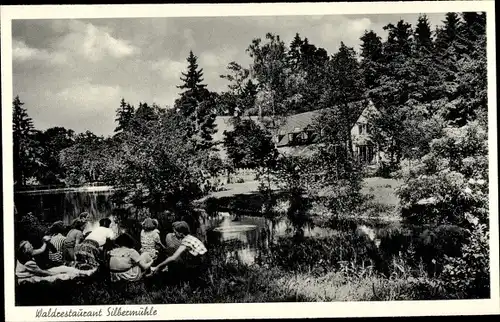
472	181
480	182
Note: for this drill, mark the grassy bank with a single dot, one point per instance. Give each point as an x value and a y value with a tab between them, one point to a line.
234	284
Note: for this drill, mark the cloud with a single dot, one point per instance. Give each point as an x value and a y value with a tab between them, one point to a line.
347	30
168	69
94	43
210	59
21	52
358	26
94	95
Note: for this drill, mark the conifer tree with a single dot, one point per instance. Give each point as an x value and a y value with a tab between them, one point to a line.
197	104
23	143
372	57
124	115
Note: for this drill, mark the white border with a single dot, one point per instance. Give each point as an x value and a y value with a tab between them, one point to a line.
268	310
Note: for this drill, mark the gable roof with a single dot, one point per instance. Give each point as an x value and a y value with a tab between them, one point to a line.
290	124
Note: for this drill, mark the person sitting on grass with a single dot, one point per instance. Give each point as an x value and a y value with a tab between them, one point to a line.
125	263
56	231
28	270
88	254
73	238
150	238
190	244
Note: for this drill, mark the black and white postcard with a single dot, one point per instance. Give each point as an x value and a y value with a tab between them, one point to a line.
222	161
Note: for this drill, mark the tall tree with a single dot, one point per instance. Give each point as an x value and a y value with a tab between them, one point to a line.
448	36
124	116
423	34
197	104
193	78
345	86
268	68
371	58
397	83
24	148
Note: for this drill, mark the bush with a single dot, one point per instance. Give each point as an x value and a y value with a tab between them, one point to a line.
449	186
468	275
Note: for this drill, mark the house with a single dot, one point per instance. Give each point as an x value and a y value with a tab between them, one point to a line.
296	134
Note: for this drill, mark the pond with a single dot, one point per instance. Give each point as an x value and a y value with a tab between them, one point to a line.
242	237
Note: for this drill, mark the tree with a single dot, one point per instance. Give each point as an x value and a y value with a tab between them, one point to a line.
371	58
161	167
24	147
193	78
124	116
84	161
448	36
397	84
268	68
249	146
345	86
51	142
242	91
197	105
423	33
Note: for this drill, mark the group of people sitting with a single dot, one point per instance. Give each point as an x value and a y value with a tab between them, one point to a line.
85	248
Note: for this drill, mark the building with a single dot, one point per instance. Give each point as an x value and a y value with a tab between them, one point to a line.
297	134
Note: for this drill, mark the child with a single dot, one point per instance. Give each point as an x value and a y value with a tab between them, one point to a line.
150	238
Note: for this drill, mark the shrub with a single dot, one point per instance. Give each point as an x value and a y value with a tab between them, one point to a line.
468	275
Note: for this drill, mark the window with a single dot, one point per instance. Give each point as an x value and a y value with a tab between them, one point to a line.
363	129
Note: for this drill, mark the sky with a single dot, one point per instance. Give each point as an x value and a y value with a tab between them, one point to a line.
73	73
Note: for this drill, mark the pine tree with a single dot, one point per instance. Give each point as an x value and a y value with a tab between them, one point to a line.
124	115
23	143
294	53
193	78
423	34
448	38
372	58
196	104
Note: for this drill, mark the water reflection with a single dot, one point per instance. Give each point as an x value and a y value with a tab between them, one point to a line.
65	205
248	237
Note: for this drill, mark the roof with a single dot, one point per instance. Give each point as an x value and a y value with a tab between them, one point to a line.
292	123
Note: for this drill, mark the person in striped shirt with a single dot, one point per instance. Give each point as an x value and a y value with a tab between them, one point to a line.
189	243
56	243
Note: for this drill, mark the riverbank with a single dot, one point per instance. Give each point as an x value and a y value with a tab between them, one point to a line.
234	283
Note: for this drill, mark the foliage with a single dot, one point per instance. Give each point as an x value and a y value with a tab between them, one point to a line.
51	142
249	146
84	161
159	166
470	274
455	171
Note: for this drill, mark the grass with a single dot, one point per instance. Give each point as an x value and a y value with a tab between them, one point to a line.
231	284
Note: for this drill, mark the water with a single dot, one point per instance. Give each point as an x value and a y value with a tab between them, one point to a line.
65	204
249	236
242	240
